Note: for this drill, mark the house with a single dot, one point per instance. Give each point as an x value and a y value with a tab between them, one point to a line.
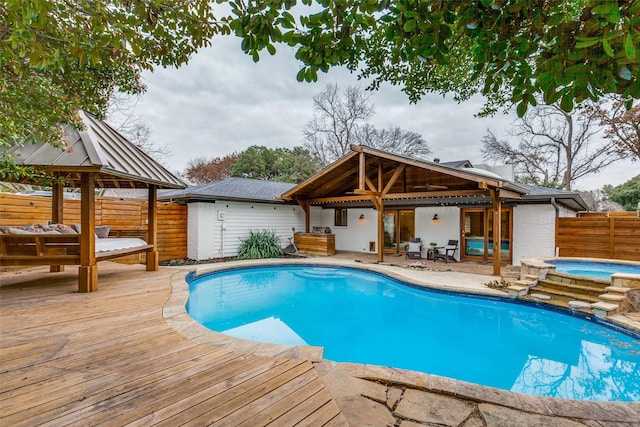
222	213
376	201
435	201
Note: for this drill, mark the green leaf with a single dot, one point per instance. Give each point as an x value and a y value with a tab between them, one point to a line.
521	109
587	42
409	26
271	49
301	73
629	48
607	47
567	103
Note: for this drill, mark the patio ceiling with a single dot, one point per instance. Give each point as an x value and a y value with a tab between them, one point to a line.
367	172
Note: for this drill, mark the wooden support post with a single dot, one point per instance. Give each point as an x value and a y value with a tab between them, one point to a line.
497	232
378	203
304	204
152	228
88	270
57	212
361	171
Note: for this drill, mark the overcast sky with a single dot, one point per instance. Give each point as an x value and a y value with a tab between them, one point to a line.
222	102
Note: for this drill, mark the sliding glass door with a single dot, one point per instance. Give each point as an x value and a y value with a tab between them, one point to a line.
477	234
399	227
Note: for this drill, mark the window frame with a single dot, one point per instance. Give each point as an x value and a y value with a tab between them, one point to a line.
340	217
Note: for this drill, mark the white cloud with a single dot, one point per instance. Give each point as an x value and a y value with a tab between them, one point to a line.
222	102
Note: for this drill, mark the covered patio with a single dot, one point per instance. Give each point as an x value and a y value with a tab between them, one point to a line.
372	178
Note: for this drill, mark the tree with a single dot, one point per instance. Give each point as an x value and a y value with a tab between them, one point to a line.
337	115
275	164
627	194
121	115
622	128
58	57
203	171
555	147
511	51
340	119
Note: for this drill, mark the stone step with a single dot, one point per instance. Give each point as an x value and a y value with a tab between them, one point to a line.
579	305
540	297
618	290
619	299
531	277
568	287
564	295
575	280
515	291
604	309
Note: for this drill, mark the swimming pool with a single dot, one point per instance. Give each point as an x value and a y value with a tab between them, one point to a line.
360	316
598	270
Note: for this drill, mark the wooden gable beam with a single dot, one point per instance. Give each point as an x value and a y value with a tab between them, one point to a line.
393	179
370	185
361	171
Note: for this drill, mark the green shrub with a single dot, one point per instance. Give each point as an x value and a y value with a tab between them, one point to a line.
265	244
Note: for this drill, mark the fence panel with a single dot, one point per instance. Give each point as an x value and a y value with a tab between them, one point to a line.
120	214
598	236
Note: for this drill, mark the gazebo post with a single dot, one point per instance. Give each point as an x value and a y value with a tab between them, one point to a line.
152	228
57	212
88	270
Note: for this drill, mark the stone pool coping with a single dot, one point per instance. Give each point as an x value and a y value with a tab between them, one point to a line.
175	315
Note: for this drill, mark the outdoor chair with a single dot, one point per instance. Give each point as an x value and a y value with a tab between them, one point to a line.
447	252
414	248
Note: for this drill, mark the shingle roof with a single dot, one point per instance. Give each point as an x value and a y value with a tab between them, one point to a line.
243	189
570	198
98	147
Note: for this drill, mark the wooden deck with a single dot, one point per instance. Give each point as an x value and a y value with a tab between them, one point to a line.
109	358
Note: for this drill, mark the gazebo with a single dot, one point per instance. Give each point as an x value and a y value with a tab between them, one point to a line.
96	156
368	177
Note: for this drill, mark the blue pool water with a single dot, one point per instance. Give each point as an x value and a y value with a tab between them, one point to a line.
359	316
598	270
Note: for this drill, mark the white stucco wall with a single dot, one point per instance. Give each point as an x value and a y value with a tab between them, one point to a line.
210	237
357	235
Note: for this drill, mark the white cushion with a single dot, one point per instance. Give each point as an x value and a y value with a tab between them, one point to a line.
414	247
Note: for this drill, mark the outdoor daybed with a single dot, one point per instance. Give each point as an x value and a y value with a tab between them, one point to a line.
53	246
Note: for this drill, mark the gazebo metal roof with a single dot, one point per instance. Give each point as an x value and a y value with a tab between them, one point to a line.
98	148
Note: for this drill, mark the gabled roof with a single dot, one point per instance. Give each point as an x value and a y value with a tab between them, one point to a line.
398	179
97	148
238	189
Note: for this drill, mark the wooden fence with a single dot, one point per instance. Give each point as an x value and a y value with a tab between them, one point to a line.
615	236
123	215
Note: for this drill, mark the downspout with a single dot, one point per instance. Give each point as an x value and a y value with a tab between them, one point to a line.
221	239
557	208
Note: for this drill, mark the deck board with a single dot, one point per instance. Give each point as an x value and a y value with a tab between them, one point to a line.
109	358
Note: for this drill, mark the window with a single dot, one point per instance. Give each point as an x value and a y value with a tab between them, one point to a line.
340	218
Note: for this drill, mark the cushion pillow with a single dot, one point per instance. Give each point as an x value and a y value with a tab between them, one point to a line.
102	232
414	247
15	230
